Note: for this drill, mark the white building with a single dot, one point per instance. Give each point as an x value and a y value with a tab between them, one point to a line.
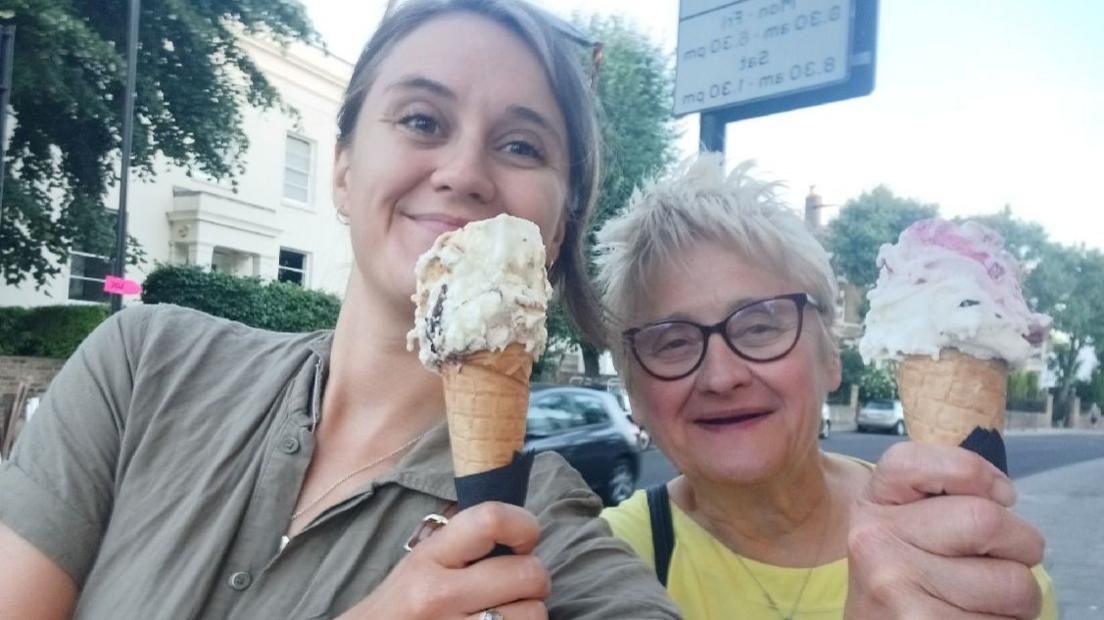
280	221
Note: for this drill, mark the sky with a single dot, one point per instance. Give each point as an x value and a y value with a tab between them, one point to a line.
977	104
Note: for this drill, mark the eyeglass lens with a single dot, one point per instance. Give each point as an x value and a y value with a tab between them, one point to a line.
759	332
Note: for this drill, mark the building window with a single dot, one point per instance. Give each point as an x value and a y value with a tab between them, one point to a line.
87	273
293	267
297	170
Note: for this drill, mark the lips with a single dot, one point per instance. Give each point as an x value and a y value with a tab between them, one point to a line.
439	222
722	420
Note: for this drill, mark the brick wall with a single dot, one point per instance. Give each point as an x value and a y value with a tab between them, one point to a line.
37	372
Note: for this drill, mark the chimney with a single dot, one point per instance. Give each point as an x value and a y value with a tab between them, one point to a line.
813	205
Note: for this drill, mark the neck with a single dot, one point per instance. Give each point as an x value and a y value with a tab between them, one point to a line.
783	520
378	395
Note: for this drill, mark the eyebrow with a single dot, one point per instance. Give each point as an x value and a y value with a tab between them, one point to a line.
418	82
530	115
685	318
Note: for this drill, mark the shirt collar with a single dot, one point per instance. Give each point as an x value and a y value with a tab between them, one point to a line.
426	468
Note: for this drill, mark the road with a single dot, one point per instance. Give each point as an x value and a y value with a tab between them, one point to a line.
1027	453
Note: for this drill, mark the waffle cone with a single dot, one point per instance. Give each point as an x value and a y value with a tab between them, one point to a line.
945	399
487	399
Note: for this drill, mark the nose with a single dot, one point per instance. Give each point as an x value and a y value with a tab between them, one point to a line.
722	369
464	172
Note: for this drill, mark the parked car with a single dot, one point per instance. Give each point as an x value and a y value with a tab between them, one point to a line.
882	415
592	431
825	421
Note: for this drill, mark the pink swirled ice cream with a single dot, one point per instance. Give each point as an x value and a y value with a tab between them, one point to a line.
947	285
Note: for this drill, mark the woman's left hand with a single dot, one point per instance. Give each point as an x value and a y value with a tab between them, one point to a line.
932	537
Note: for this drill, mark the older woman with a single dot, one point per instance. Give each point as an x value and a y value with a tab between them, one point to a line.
186	467
724	302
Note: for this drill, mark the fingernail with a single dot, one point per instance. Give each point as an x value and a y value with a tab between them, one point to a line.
1003	492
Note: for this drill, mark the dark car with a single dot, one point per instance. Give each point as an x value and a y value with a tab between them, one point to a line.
590	429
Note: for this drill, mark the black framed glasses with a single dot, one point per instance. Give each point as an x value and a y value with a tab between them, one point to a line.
760	331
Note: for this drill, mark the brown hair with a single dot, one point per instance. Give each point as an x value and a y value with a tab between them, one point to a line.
550	44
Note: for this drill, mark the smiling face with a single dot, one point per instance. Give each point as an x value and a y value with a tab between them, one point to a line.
731	421
460	124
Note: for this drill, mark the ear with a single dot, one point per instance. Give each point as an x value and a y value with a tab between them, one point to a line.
341	176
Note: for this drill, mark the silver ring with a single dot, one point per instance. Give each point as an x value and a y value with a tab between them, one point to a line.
491	614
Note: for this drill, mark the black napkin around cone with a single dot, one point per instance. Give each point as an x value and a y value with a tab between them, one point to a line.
988	443
508	484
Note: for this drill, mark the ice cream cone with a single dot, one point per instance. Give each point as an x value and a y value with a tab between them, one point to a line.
487	399
945	399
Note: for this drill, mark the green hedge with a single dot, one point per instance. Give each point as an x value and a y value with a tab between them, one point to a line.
47	331
276	306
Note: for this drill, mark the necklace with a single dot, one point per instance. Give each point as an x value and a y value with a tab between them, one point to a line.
356	471
804	582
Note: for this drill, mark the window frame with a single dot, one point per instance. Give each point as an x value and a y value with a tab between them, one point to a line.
304	272
310	171
72	276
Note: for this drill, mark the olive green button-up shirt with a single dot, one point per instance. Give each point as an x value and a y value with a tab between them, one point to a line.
163	465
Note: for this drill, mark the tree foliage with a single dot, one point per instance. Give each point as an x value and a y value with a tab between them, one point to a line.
638	133
877	383
277	306
47	331
864	224
193	81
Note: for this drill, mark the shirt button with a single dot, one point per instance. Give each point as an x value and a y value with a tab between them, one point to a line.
289	445
240	580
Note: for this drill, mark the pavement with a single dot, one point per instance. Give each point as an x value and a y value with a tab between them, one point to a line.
1067	504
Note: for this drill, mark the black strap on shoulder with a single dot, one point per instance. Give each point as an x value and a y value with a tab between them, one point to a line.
663	534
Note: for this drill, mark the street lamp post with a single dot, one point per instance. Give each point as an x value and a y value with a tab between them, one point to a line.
7	51
119	266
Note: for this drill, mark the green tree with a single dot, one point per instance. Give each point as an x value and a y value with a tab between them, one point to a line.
877	383
1092	391
864	224
1068	284
638	134
852	370
69	73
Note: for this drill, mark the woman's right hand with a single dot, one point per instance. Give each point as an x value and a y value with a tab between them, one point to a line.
446	577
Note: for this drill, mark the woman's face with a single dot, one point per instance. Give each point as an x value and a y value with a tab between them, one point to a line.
731	421
460	124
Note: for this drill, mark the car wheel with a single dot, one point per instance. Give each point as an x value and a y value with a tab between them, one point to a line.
620	484
860	428
899	428
825	429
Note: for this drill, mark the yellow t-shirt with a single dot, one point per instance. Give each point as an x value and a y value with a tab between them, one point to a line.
707	582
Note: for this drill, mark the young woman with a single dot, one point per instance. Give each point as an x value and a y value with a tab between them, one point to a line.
186	467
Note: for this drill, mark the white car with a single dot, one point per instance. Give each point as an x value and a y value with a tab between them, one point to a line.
882	415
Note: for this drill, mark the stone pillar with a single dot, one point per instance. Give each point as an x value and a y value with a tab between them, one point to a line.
200	254
1074	420
854	403
1048	415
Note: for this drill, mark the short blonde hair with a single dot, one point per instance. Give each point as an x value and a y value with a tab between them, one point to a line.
699	202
